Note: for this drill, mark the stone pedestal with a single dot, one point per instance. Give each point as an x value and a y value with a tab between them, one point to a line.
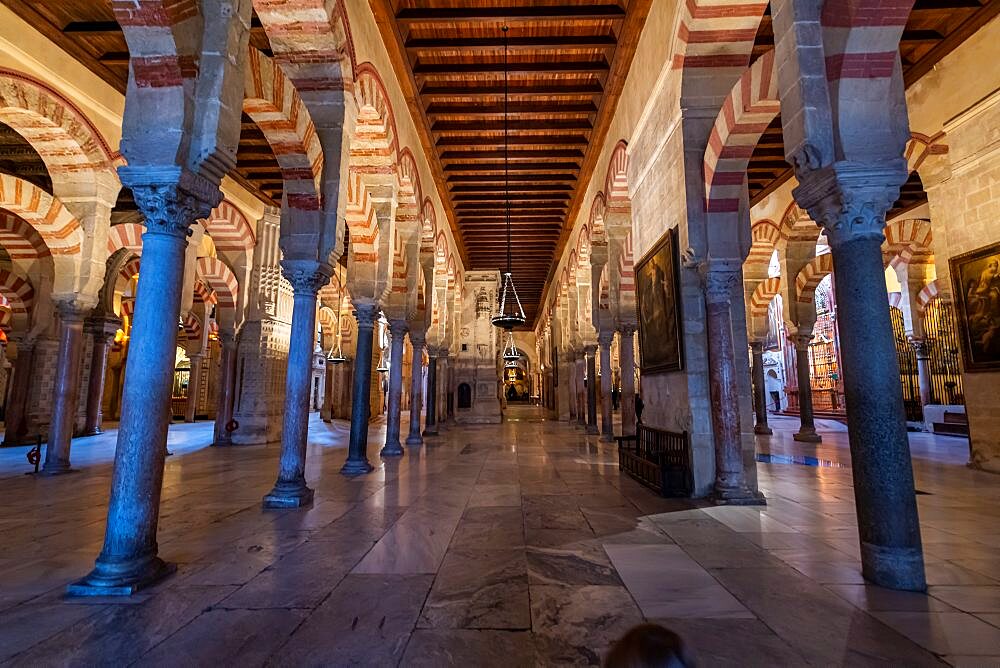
759	396
416	388
290	490
730	488
607	424
807	426
393	448
357	451
129	560
850	201
102	332
67	387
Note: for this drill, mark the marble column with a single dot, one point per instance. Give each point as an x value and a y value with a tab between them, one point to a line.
581	387
416	388
759	396
571	385
807	426
102	333
16	416
129	560
397	332
67	387
430	422
290	490
922	348
721	278
850	201
227	390
590	356
326	414
357	449
626	351
607	425
194	387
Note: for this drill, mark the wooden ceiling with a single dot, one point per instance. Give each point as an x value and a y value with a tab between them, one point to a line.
87	30
567	62
934	29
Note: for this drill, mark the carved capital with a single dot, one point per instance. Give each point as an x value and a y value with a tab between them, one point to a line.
417	339
306	276
801	341
921	346
102	328
74	308
227	338
171	199
366	314
627	330
756	346
850	200
398	328
720	278
604	339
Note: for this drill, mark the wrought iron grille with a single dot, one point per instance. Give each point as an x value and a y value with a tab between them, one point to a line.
907	367
942	336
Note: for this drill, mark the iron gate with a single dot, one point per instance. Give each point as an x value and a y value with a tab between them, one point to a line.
907	368
942	337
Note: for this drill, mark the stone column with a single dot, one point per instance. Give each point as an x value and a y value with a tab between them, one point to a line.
850	201
102	333
16	417
416	388
327	412
807	427
922	348
759	395
194	387
607	425
721	278
581	385
357	452
67	388
227	391
397	330
128	560
590	355
430	422
626	353
571	385
290	490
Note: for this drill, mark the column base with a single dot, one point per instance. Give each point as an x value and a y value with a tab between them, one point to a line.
738	497
762	430
356	467
431	431
391	450
899	568
92	432
591	429
113	579
414	439
288	495
50	471
607	439
807	436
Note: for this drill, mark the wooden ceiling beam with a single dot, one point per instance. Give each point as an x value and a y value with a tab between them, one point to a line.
549	167
548	88
513	124
514	43
514	140
532	67
576	13
452	109
514	178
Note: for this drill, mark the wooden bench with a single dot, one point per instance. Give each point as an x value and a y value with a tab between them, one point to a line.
657	458
955	424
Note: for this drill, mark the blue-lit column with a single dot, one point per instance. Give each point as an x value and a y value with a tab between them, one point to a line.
129	559
416	387
290	490
357	449
67	387
227	391
393	448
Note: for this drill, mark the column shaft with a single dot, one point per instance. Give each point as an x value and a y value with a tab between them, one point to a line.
626	353
430	423
759	396
95	384
923	352
807	427
67	391
357	452
891	551
194	388
290	490
590	358
416	390
16	417
392	447
227	392
607	424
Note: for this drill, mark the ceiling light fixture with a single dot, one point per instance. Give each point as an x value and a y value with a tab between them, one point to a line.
336	355
509	314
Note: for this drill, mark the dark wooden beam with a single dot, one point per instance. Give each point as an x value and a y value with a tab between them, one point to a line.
464	109
514	43
548	88
544	66
539	140
508	15
514	124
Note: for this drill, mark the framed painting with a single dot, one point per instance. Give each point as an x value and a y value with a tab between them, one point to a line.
975	279
657	283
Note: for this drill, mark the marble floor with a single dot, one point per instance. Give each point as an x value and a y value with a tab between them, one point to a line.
510	545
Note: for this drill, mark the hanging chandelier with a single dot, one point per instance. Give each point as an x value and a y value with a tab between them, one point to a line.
509	313
510	351
336	355
383	363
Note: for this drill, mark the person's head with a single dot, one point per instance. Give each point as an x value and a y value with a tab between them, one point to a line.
649	646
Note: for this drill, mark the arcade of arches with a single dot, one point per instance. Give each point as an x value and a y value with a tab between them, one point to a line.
249	255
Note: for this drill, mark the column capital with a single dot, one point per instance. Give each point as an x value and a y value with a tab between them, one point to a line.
418	338
366	314
74	308
102	327
398	328
227	338
604	339
756	346
306	276
801	341
719	277
627	329
170	198
849	200
921	346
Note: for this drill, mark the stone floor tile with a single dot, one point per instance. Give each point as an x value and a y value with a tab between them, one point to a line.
577	625
733	642
879	599
463	648
969	598
946	632
479	589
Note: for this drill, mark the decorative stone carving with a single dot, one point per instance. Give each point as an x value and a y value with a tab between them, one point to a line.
306	276
172	206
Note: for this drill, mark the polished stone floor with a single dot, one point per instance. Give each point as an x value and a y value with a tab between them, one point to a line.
510	545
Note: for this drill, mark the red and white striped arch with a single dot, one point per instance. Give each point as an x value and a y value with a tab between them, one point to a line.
616	180
716	33
763	294
203	293
21	240
797	228
130	269
930	292
921	147
810	276
626	268
125	235
327	319
65	139
61	231
229	228
428	230
220	278
907	241
764	237
746	112
128	307
17	290
598	218
192	327
861	37
275	106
